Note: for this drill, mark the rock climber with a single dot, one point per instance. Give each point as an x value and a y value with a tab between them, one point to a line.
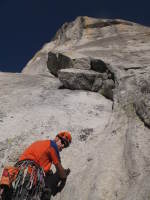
33	175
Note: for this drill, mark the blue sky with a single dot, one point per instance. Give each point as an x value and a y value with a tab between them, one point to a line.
26	25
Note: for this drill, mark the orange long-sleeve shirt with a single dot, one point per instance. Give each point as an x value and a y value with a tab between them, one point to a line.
43	153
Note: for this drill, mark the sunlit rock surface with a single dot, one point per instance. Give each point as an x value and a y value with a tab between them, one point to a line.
110	154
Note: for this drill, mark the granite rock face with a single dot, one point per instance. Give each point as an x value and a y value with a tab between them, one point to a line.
116	42
110	154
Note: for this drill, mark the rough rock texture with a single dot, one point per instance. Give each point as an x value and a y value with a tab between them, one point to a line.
106	89
110	155
82	73
77	78
57	61
98	65
82	63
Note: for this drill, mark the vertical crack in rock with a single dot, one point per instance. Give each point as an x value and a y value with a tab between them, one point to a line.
142	97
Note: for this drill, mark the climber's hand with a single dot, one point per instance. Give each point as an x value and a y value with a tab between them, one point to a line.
67	171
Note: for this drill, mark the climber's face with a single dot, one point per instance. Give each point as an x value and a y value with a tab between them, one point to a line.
59	143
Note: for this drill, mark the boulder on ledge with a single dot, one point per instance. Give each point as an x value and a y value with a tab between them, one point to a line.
57	61
77	79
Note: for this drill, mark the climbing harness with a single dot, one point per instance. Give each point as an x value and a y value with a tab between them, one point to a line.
29	182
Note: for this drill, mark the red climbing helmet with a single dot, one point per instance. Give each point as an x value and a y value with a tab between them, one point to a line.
65	137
